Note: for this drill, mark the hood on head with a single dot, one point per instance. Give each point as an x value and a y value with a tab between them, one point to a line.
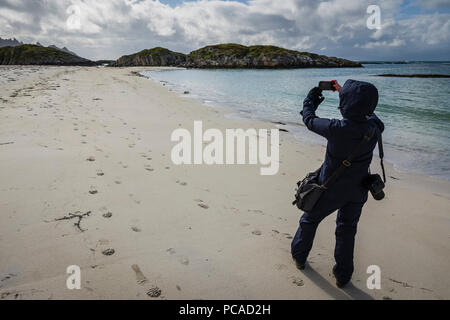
358	99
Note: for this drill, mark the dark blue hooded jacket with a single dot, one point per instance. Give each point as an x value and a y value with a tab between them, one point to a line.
358	100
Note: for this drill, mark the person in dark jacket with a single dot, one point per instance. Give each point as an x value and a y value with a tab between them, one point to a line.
358	100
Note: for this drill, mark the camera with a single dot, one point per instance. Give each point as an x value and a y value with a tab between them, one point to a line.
327	85
375	184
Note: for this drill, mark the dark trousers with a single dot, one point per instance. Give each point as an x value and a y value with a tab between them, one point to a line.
346	224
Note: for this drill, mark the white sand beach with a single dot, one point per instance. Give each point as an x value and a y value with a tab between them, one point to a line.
97	140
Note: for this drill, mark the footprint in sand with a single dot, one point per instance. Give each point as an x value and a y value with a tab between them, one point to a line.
171	251
8	276
202	205
107	215
123	165
132	197
257	232
281	267
109	252
136	229
154	292
181	183
148	168
103	242
182	259
297	281
140	278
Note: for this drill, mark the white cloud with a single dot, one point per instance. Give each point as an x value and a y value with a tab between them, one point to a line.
377	44
333	27
14	16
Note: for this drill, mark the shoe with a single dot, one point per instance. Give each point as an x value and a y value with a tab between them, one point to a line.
340	284
300	265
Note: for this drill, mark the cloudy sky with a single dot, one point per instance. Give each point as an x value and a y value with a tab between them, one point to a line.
107	29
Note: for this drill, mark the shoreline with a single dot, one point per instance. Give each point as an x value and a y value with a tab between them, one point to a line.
236	114
99	142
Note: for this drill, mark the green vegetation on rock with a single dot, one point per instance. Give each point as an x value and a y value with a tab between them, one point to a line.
157	51
29	54
269	51
151	57
209	52
232	55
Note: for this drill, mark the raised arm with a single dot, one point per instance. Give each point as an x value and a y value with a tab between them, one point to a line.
321	126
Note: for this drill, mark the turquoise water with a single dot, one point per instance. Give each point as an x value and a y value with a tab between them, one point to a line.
416	111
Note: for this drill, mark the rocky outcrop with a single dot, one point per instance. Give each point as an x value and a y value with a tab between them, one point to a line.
29	54
233	56
9	42
63	49
152	57
239	56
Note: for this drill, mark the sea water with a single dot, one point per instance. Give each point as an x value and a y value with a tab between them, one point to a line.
416	111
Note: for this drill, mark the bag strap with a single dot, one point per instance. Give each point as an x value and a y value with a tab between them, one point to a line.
348	162
381	152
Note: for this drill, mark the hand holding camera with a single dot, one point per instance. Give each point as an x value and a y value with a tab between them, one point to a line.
332	85
315	95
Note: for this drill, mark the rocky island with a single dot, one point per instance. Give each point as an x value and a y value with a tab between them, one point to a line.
152	57
239	56
229	56
225	56
29	54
